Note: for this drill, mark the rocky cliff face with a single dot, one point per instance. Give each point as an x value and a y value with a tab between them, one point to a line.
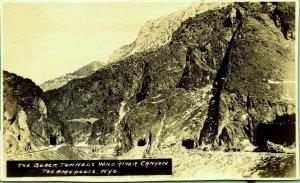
80	73
223	80
156	33
25	116
251	87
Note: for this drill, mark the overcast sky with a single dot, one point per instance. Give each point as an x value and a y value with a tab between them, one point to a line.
43	41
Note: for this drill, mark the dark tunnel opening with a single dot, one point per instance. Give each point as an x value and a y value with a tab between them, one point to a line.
188	143
286	118
141	142
52	140
278	133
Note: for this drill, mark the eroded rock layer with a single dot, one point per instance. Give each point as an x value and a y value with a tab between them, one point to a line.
225	73
26	122
225	81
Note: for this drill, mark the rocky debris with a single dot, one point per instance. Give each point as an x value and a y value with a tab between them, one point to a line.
273	147
194	163
80	73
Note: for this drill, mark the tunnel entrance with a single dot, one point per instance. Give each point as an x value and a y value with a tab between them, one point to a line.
286	118
141	142
278	133
188	143
52	140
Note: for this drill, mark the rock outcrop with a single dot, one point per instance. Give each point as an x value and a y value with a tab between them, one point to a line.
25	116
224	81
224	73
156	33
80	73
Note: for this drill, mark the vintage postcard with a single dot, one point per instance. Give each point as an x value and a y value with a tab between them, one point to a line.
149	91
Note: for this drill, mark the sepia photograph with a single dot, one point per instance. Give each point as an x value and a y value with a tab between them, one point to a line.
149	91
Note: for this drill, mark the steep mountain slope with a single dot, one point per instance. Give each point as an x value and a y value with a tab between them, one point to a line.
80	73
156	33
25	116
220	83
